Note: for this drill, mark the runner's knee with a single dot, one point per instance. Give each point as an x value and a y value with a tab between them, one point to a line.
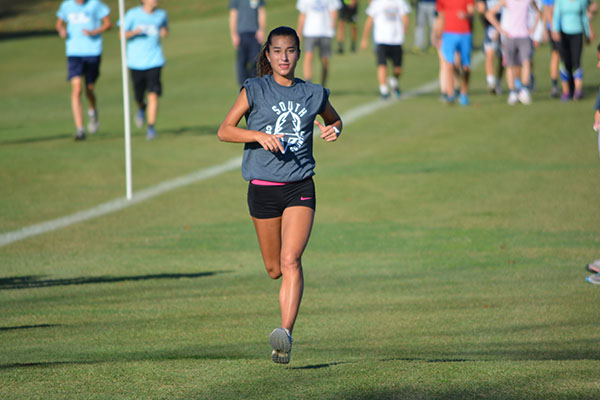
290	263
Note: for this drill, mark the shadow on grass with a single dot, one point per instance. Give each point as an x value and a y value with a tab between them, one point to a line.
14	328
188	353
27	34
45	364
36	139
433	360
37	281
201	130
319	366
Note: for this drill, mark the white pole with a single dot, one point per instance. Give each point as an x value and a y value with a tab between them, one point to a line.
126	111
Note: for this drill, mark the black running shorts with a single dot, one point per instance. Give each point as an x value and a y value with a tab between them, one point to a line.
392	52
147	80
270	201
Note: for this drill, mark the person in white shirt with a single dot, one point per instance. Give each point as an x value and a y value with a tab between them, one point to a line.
316	24
389	21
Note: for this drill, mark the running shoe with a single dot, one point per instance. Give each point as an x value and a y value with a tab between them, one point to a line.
281	342
593	279
80	134
512	98
397	92
578	95
150	133
93	124
463	99
564	97
498	88
449	100
593	266
555	92
140	118
524	96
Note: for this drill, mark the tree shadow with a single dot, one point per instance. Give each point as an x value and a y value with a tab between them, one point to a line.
14	328
201	130
27	34
199	352
45	364
36	139
432	360
37	281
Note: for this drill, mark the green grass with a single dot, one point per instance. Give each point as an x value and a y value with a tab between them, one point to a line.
446	260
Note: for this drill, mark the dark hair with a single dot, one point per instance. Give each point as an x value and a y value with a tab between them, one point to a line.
263	66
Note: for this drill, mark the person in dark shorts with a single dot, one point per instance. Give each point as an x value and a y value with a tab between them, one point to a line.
316	23
81	23
348	15
280	112
144	26
247	24
570	24
388	21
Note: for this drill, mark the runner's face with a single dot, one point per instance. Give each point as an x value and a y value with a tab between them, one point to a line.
283	55
150	3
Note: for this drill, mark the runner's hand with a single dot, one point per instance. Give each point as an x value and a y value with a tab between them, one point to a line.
270	142
327	132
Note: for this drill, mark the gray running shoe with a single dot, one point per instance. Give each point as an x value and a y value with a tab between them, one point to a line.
150	133
281	342
93	124
80	135
140	118
593	279
593	266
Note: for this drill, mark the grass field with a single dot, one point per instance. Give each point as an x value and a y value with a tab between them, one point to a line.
446	261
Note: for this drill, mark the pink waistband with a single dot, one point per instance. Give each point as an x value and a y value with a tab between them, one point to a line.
266	183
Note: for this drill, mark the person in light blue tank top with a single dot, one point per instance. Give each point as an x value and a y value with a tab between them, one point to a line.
569	24
281	112
81	23
145	25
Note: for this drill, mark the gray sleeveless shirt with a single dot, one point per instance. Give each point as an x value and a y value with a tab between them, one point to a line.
276	109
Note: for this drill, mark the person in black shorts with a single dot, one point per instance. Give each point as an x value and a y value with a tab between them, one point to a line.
145	26
280	112
348	14
387	22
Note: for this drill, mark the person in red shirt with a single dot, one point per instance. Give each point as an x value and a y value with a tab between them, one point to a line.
456	37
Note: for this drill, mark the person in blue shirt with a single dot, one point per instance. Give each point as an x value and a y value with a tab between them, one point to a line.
81	23
569	24
144	26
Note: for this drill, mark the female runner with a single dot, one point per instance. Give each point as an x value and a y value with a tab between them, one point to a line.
280	112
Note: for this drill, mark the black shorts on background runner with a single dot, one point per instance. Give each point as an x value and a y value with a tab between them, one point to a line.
146	80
